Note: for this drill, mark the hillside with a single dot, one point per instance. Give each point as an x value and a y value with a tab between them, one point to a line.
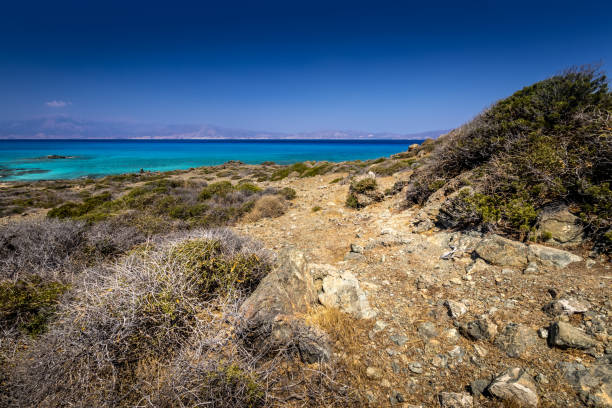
472	270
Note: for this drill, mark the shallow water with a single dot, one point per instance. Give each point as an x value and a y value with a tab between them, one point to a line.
28	159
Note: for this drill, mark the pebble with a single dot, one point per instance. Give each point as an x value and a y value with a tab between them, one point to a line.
416	367
399	339
373	373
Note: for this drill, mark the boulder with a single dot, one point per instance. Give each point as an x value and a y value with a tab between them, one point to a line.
269	313
553	257
564	335
515	386
503	252
562	226
516	340
342	291
565	306
480	329
455	400
593	384
455	309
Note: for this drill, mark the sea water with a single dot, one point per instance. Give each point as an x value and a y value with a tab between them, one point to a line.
34	159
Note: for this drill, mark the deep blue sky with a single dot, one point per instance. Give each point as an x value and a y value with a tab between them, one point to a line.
290	65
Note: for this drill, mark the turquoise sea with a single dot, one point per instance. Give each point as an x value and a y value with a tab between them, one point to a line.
33	159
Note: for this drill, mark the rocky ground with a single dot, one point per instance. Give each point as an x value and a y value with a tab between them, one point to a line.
443	318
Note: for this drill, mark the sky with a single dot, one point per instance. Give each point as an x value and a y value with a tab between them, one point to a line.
288	66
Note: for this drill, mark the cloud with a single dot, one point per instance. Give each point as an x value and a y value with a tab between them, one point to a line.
57	104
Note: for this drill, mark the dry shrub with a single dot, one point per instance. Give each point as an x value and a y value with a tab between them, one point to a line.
269	206
344	331
123	318
43	247
140	333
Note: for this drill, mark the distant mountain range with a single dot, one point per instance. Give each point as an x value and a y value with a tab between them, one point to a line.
64	127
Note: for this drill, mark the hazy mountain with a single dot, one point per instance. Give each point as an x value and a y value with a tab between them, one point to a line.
64	127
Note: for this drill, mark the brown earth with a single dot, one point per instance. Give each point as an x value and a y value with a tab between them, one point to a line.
407	283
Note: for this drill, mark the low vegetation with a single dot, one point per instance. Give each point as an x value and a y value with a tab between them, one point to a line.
549	142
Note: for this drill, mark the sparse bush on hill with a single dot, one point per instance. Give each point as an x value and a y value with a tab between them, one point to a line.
363	193
42	247
549	142
129	326
162	205
271	206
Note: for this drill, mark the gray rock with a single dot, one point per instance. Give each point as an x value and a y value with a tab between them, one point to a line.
478	387
515	386
553	257
358	249
479	265
354	256
398	339
416	367
455	400
455	309
269	313
440	361
565	306
503	252
427	330
516	340
343	291
396	398
564	335
563	226
532	269
480	329
593	384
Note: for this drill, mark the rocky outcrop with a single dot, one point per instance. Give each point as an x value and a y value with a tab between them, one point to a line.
564	335
515	386
455	309
505	252
455	400
269	313
516	340
565	306
552	257
480	329
561	226
593	384
502	251
341	290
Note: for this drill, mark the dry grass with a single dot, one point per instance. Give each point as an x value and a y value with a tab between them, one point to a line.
267	207
346	334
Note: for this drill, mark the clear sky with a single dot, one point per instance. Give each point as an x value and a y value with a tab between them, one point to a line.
290	65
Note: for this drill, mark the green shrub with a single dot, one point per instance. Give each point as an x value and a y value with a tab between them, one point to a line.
249	187
390	169
216	272
288	193
285	171
80	211
351	201
549	142
317	170
220	188
364	185
29	304
316	208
